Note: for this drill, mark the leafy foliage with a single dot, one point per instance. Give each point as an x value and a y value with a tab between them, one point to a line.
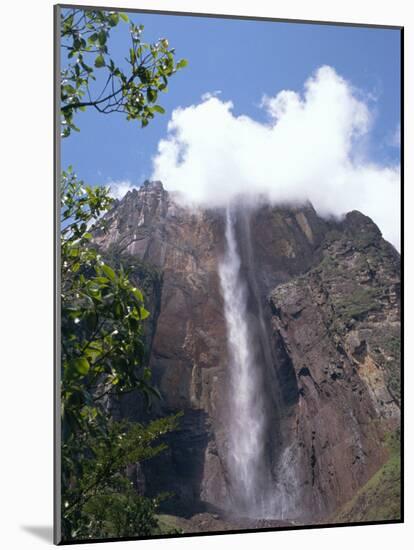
92	78
99	501
149	276
102	351
102	312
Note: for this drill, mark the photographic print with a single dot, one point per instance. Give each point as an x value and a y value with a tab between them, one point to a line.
228	274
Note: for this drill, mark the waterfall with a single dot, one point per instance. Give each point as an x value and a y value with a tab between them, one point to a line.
249	472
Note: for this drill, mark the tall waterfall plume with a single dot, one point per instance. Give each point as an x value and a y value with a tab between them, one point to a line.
249	472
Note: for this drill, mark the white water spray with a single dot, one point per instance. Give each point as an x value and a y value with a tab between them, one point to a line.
249	478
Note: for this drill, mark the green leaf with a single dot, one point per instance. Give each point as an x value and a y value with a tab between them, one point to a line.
151	95
74	252
100	61
132	55
102	38
158	108
101	280
109	272
114	19
124	17
94	350
81	365
182	63
138	295
143	313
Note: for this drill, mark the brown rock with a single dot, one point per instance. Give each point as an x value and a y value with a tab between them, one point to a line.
327	294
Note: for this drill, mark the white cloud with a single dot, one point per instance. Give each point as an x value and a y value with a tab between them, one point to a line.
117	189
209	95
395	139
312	148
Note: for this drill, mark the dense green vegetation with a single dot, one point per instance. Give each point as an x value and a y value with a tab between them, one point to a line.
102	312
358	304
380	498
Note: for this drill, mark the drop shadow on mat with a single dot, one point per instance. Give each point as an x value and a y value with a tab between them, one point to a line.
43	532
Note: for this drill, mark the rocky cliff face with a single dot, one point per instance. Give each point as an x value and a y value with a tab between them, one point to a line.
323	305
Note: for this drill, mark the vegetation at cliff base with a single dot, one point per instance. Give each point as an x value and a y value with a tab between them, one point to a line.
380	498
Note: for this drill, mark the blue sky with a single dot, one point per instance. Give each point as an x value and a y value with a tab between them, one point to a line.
244	60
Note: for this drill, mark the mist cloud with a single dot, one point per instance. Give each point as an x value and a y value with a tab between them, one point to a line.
118	189
311	148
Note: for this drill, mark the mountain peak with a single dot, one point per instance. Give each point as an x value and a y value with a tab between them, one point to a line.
152	185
